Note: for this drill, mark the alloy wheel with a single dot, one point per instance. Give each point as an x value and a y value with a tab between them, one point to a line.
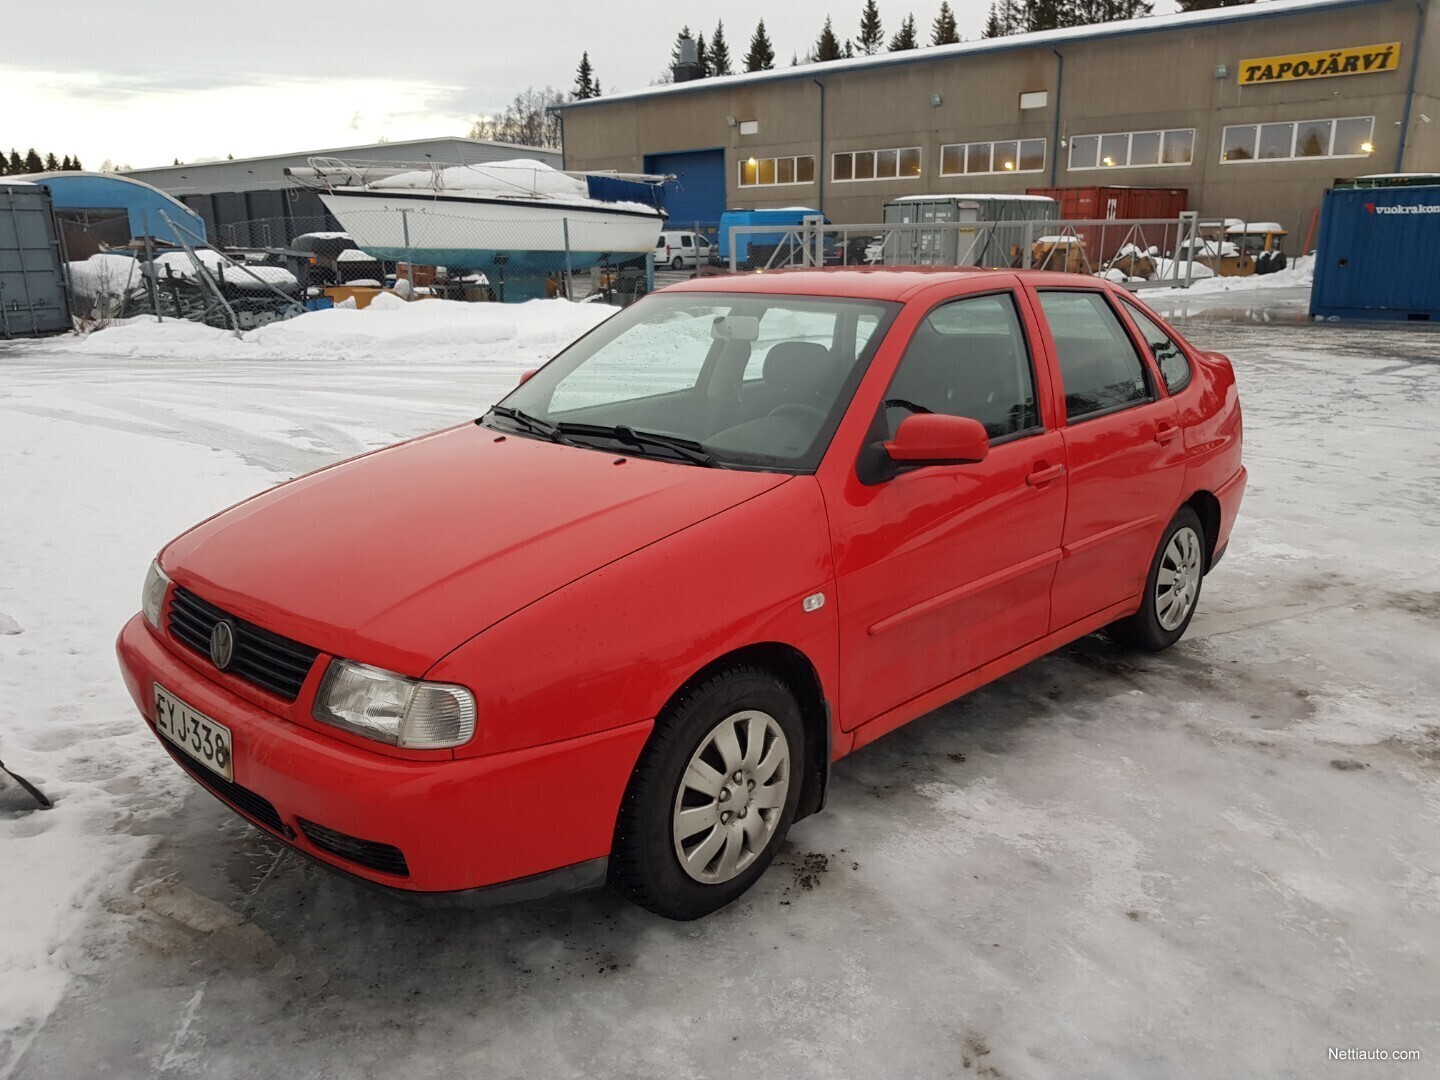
1177	584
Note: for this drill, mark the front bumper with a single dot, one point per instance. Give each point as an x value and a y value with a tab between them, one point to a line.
463	824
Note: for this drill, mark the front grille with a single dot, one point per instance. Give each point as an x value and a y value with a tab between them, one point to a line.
262	659
243	799
383	857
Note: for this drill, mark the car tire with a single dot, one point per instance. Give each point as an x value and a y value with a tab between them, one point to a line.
1172	588
677	263
690	838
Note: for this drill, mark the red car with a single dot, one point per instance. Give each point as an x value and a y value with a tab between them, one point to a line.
619	628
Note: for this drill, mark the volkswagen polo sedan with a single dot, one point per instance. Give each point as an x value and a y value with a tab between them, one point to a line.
618	629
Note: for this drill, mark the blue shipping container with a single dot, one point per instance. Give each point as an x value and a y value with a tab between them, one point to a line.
1378	254
785	220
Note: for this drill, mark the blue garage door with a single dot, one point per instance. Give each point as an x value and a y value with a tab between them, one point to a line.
697	194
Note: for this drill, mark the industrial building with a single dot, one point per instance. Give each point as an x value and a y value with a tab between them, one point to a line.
251	202
1254	111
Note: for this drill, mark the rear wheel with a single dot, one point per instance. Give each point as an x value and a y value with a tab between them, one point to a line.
677	263
713	795
1172	588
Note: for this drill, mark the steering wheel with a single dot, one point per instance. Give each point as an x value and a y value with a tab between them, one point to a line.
807	415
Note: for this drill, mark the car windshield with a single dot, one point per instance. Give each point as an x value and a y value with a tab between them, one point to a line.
743	380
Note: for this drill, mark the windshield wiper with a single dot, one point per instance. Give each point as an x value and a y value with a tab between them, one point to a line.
532	424
689	449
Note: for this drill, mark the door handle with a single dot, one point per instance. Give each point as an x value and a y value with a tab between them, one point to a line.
1045	475
1165	432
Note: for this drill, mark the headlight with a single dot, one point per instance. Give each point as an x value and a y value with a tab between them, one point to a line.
392	709
152	596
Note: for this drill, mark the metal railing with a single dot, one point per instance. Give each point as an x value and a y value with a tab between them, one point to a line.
1138	253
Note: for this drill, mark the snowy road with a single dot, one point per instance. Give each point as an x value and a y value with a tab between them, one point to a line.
1221	861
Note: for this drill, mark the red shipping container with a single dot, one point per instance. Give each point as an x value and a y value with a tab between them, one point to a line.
1117	204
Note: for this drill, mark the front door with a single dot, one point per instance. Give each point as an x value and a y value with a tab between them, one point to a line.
942	568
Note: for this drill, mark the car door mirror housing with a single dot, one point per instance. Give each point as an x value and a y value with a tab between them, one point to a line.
937	439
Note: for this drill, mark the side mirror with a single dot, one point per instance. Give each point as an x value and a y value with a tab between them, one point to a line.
527	376
937	439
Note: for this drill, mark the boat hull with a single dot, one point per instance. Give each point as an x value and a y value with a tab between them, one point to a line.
516	241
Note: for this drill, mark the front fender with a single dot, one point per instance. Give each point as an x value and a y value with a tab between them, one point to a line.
612	647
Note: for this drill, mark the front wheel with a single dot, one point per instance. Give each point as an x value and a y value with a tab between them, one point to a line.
1172	588
713	795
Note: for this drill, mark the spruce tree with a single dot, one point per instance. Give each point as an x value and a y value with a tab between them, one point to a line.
944	31
872	35
33	164
761	56
586	85
905	38
992	24
4	165
702	54
17	167
720	52
76	162
827	46
52	163
1046	14
65	163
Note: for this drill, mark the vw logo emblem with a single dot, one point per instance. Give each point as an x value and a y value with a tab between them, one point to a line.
222	644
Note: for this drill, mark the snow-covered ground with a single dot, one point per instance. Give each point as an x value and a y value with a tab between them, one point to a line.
1221	861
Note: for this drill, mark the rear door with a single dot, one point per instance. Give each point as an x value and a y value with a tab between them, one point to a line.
1124	454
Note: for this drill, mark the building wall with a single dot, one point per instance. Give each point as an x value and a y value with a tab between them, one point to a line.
1151	78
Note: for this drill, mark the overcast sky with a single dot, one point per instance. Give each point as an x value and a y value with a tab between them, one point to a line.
144	82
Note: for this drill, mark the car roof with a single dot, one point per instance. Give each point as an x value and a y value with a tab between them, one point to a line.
897	283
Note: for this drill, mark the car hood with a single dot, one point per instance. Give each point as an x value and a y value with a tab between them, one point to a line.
397	557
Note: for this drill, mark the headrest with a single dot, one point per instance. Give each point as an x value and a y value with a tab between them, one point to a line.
798	365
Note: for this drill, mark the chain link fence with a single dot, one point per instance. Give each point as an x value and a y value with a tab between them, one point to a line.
1140	253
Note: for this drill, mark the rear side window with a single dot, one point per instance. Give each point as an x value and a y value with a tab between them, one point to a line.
1099	367
685	241
968	358
1174	367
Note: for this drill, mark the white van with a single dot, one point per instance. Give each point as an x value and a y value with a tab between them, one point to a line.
679	250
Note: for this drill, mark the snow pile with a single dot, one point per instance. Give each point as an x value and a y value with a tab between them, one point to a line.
389	329
104	274
180	264
1299	274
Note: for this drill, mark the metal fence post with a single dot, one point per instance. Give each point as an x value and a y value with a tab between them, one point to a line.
565	229
409	255
150	267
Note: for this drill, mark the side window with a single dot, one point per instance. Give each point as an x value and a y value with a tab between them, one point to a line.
1099	367
1174	367
686	241
968	358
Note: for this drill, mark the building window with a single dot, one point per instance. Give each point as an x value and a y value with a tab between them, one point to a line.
1023	155
1132	149
768	172
1290	141
898	164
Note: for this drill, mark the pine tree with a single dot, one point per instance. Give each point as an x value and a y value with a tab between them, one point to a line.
76	162
761	56
720	52
586	85
33	164
872	35
52	163
65	163
944	31
702	55
1206	5
849	49
1046	14
4	165
905	38
992	24
17	167
827	46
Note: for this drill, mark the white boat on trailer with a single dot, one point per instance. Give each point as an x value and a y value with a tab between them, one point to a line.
517	221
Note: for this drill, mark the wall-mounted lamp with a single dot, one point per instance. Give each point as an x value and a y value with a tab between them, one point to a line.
1369	148
935	99
1221	71
730	120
